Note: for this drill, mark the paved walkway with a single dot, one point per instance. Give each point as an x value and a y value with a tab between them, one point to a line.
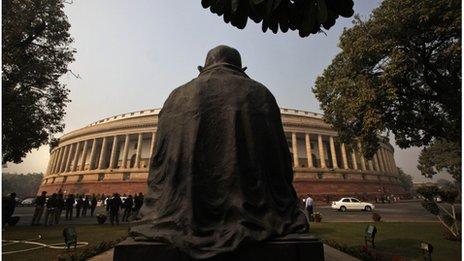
330	254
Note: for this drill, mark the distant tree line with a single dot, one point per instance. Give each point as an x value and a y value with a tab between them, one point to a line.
25	185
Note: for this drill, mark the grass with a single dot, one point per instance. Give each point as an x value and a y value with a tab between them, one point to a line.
393	239
93	234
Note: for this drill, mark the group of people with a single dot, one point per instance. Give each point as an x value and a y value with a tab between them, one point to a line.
56	203
131	206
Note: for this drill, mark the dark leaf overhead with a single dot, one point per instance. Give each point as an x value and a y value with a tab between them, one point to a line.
305	16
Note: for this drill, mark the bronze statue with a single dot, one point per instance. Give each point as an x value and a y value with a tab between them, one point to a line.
221	174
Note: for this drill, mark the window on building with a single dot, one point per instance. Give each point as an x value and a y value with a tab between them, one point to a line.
53	180
319	175
363	176
79	178
344	176
101	176
64	179
126	176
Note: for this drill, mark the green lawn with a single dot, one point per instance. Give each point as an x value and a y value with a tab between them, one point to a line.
393	238
93	234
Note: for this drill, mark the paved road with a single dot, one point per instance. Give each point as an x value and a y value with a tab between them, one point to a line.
403	211
25	214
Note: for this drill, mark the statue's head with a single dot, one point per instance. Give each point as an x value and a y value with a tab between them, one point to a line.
223	54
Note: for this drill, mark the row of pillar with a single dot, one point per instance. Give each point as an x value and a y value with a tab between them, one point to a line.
62	158
382	161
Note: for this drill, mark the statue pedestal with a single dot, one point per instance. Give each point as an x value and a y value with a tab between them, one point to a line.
292	247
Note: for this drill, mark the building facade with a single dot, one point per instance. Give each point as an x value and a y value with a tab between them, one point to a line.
113	155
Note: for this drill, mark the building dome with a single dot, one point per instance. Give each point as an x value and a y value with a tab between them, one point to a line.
112	156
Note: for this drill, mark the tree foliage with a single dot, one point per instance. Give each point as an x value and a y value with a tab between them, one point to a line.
25	185
446	215
441	156
405	180
35	53
398	71
306	16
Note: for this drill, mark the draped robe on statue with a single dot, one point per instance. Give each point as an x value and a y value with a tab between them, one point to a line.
221	174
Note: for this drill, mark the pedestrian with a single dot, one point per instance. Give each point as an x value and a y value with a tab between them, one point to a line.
59	207
93	204
85	205
39	208
138	202
8	208
115	205
69	206
309	204
51	209
79	204
128	204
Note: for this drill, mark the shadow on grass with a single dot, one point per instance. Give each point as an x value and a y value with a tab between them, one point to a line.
390	248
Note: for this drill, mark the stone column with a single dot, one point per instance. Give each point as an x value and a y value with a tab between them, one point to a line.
101	161
371	165
321	150
376	163
139	151
65	158
361	157
296	162
333	153
50	163
353	157
113	152
152	147
309	155
76	156
58	160
394	164
345	160
384	160
379	160
70	157
125	151
84	155
92	154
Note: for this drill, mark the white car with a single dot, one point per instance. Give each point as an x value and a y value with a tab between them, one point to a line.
345	204
28	202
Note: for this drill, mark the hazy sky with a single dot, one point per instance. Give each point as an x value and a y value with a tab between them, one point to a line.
132	54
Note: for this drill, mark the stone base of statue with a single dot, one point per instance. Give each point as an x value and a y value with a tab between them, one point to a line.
292	247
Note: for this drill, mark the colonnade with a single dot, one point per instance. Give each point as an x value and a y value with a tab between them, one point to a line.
382	161
104	154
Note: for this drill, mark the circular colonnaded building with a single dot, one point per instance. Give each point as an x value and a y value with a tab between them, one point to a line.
112	155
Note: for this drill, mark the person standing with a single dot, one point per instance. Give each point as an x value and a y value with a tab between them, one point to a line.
79	204
39	208
8	208
59	207
115	205
85	206
51	209
138	202
93	205
69	206
309	204
128	204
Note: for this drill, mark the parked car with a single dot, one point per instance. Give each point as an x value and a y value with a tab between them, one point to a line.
345	204
28	202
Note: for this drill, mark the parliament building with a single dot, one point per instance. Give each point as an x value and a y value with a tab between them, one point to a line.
113	154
